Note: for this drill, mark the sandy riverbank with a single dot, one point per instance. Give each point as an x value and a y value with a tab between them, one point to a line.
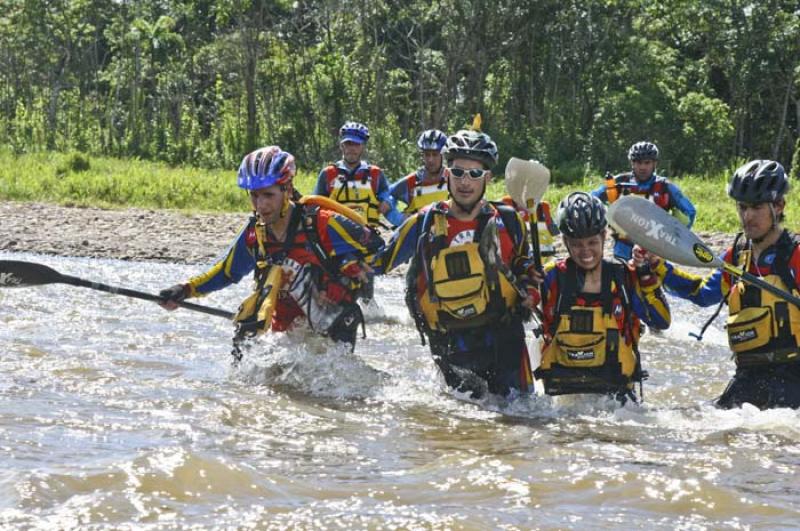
136	234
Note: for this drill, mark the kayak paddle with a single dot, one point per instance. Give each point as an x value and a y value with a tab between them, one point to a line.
18	274
654	229
526	182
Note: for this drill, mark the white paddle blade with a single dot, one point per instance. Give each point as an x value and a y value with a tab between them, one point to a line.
526	179
650	226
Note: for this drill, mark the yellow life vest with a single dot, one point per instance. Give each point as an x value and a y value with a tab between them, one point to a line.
589	351
424	195
357	193
762	328
260	305
468	284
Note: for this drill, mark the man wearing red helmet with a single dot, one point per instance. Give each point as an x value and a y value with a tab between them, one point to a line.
308	260
763	329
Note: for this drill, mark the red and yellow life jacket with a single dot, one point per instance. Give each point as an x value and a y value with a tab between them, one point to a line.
424	194
357	191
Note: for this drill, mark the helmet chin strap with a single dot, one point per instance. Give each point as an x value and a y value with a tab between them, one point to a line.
286	204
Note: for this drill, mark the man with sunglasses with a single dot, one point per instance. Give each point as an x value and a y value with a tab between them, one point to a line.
467	284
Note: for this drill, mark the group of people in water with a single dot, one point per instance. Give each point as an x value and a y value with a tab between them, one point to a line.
474	276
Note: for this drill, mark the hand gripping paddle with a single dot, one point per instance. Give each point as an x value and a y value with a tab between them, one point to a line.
17	274
651	227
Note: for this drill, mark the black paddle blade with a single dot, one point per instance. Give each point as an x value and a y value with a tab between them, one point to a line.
16	274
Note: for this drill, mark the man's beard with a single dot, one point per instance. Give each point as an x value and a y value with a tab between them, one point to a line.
467	208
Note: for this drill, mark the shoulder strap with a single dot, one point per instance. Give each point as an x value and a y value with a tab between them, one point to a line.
784	249
310	226
567	282
332	171
510	220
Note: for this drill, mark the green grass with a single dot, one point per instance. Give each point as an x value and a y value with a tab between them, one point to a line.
118	183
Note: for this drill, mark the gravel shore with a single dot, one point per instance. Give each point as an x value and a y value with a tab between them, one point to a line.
138	234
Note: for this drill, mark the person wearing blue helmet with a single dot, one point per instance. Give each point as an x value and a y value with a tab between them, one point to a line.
356	183
642	180
428	183
308	261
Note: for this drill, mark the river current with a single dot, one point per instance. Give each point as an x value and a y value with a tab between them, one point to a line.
115	414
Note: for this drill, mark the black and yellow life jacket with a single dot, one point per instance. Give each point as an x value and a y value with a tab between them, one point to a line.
464	286
356	191
764	329
593	349
425	194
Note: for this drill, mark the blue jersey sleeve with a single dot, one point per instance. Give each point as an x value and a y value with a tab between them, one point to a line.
682	203
651	306
399	191
237	262
321	187
601	193
703	291
401	247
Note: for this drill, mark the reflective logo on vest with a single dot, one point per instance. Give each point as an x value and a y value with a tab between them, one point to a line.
466	311
580	355
743	335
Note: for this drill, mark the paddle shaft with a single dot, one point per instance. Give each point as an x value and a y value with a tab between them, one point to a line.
533	227
766	286
75	281
15	273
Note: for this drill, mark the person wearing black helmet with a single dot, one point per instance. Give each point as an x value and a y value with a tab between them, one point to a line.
763	329
593	308
643	180
427	184
467	284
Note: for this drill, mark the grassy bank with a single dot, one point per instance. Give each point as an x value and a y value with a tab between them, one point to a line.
99	181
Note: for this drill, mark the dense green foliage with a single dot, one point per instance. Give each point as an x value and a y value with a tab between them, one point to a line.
202	82
102	181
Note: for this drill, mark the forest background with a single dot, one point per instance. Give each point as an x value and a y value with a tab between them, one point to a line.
197	84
